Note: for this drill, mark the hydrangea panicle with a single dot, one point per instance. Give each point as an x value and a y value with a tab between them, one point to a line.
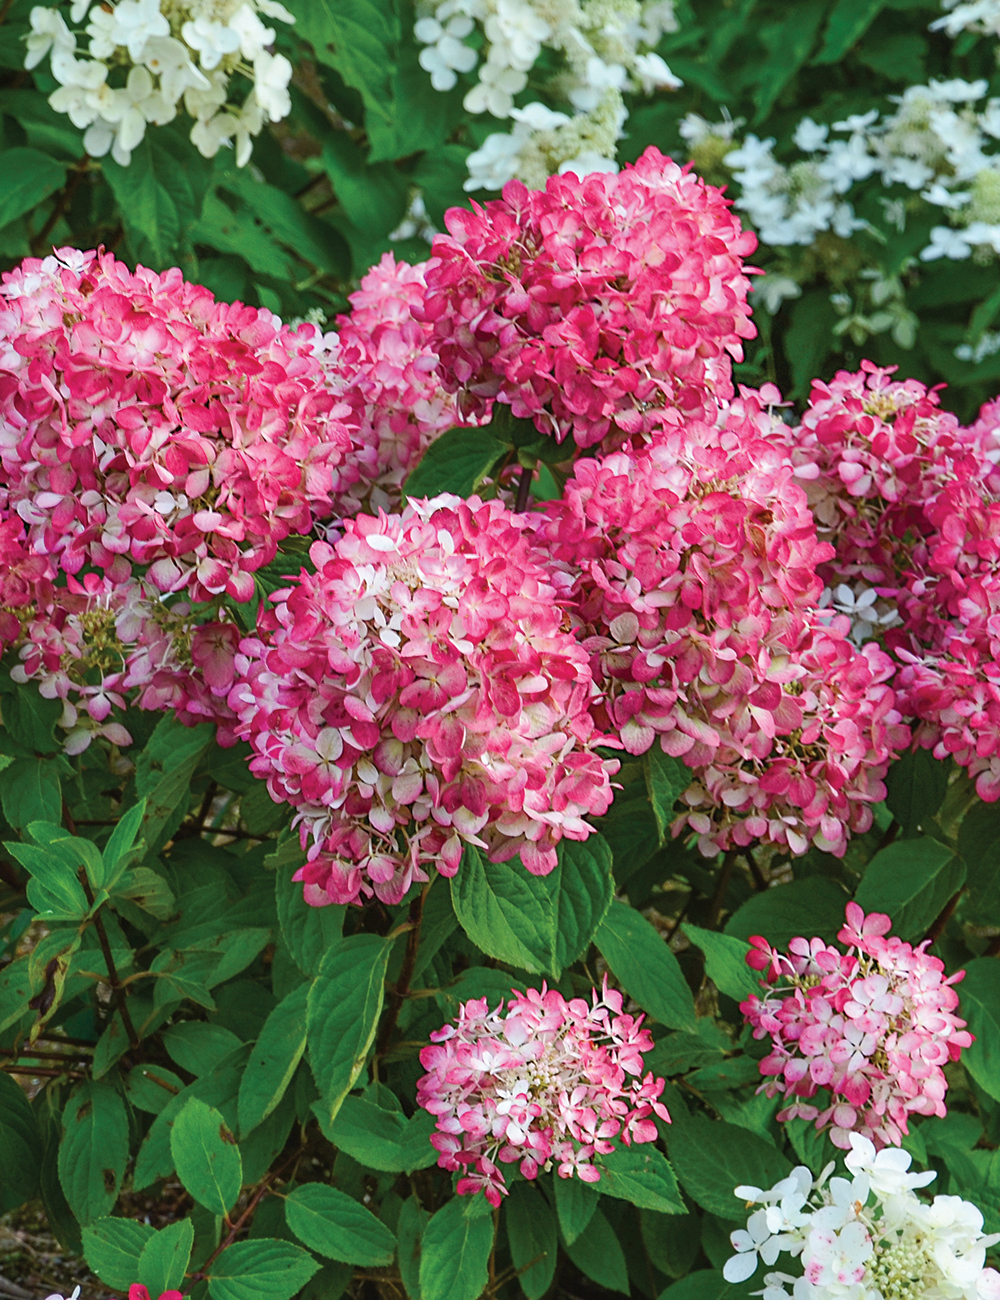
417	694
869	1029
549	1084
609	306
867	1237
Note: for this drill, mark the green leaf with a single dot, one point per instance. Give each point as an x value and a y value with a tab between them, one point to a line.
705	1284
372	1136
979	995
342	1011
597	1253
147	191
725	962
789	43
810	334
642	962
310	932
671	1240
315	241
206	1156
165	1258
642	1175
145	889
54	890
848	22
666	779
358	39
712	1158
417	1150
30	719
262	1269
199	1047
911	881
20	1146
275	1058
576	1202
533	1239
916	785
122	847
30	790
336	1226
373	196
455	1254
457	461
540	923
811	906
235	230
163	777
150	1087
979	845
28	177
112	1248
94	1150
413	1219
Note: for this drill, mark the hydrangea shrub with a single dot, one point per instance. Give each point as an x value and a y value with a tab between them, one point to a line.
487	790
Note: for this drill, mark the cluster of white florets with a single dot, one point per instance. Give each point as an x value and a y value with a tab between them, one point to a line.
869	1237
149	57
604	47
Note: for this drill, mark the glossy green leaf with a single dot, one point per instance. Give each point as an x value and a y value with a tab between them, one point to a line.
274	1060
979	845
916	785
666	779
641	1174
725	962
911	881
94	1150
29	176
533	1239
358	38
20	1146
165	1258
310	932
848	22
457	461
576	1202
979	994
711	1158
597	1253
30	790
811	906
260	1269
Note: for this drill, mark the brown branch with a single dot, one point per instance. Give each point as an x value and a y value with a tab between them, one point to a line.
402	985
759	882
42	1072
16	1054
119	994
937	929
722	884
524	489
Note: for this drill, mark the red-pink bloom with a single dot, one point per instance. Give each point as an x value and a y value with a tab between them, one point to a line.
418	693
549	1084
387	379
144	422
689	568
869	1030
601	308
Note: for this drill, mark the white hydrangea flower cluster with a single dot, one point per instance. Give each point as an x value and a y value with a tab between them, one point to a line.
174	51
981	16
869	613
869	1237
605	49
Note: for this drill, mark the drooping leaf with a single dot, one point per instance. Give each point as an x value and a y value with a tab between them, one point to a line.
413	1219
358	38
309	931
576	1202
335	1225
666	779
642	961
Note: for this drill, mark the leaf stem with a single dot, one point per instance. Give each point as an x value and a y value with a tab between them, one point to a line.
119	993
402	985
524	489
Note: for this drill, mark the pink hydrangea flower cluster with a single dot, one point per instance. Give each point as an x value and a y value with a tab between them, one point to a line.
689	568
145	422
550	1083
600	308
392	403
870	1030
418	693
870	450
